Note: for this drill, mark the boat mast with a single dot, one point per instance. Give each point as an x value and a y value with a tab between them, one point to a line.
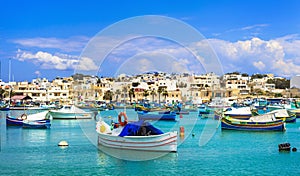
9	69
9	73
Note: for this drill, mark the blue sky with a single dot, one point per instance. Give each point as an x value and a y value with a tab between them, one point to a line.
46	39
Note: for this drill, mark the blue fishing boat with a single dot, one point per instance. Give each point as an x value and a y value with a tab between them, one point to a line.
4	107
167	115
12	121
37	124
204	111
30	120
266	122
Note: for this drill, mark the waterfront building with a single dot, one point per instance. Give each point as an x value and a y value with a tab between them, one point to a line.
237	84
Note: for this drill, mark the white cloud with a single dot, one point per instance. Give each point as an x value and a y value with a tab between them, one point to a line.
280	56
38	73
48	61
260	65
71	44
253	27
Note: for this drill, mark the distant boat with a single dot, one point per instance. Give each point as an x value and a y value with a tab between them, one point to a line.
204	111
219	102
260	104
167	115
42	106
265	122
137	136
70	112
4	107
238	113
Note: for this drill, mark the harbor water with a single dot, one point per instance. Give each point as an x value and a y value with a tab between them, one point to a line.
203	150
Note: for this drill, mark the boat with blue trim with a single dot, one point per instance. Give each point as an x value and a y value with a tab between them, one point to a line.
37	120
137	136
166	115
37	124
265	122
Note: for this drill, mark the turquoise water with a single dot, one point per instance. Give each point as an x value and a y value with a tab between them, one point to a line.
35	152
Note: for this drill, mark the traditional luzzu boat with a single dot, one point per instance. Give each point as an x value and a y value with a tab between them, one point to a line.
138	136
12	121
238	113
37	120
166	115
70	112
265	122
37	124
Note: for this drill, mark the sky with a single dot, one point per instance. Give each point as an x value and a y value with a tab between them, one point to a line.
109	37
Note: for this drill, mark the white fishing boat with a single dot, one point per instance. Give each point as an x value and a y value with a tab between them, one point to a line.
37	116
70	112
238	113
138	136
284	115
31	120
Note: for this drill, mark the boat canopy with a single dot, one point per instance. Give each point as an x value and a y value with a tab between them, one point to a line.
139	128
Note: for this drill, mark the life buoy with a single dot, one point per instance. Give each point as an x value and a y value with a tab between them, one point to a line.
24	116
122	123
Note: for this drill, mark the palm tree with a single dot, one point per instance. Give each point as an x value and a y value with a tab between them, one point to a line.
153	93
145	93
159	91
125	90
131	94
165	94
118	92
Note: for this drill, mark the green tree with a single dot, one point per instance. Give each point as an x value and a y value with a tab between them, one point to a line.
165	94
108	95
125	90
153	93
145	93
118	92
280	83
159	91
131	94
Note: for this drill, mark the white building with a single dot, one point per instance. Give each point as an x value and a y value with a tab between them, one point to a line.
237	82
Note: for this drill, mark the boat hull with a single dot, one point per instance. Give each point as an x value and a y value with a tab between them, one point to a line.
70	115
240	116
37	124
166	142
13	122
149	116
227	124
